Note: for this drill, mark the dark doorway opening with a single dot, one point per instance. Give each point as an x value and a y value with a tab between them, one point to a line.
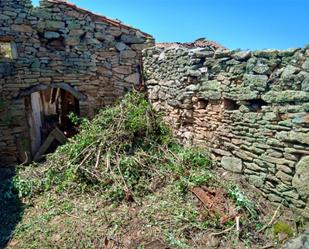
47	113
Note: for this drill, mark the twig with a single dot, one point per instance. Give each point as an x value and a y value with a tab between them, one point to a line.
122	177
237	228
267	246
108	162
85	158
222	232
90	173
98	159
84	150
237	224
26	160
125	184
76	217
272	219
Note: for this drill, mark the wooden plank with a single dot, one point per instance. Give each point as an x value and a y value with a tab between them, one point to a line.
57	135
44	147
54	94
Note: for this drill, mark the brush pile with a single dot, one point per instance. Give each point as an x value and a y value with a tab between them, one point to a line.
125	182
124	153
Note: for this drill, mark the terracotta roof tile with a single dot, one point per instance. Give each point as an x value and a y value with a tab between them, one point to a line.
199	43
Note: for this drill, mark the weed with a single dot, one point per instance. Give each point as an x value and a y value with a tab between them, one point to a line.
241	200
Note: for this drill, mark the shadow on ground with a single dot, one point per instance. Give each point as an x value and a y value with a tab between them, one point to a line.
11	208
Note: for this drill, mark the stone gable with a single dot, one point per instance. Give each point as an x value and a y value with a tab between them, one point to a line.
59	43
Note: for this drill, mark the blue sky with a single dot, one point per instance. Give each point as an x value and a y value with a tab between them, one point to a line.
245	24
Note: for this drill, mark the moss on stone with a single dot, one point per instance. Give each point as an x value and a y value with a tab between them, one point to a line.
282	228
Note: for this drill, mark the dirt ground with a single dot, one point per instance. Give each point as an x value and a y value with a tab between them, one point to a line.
64	221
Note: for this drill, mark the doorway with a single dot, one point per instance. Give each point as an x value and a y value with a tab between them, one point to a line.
47	113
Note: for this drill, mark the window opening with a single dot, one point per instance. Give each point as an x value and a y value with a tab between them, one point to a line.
6	49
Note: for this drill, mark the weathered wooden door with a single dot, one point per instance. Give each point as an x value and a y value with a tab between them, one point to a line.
35	121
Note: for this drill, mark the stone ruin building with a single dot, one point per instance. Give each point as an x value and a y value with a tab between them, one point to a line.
54	60
249	109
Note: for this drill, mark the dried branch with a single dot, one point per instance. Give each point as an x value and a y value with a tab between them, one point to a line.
222	232
272	220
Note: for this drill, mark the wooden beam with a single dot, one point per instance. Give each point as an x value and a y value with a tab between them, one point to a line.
42	87
57	135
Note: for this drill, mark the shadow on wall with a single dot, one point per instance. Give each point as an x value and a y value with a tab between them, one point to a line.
11	208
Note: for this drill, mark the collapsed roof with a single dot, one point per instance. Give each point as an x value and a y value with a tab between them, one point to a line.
199	43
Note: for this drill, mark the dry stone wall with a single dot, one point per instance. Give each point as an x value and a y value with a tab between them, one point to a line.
250	109
59	43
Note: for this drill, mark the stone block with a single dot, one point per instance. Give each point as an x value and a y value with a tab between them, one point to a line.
53	25
131	39
242	55
123	70
257	181
221	152
301	179
276	160
76	32
286	96
134	78
301	118
292	136
255	82
255	167
120	46
305	65
51	35
285	169
22	28
128	54
72	40
4	17
289	71
232	164
285	178
245	155
305	84
301	242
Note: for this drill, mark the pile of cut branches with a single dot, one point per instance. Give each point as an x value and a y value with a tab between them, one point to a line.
125	176
124	153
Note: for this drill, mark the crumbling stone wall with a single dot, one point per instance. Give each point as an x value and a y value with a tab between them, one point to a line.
250	109
59	43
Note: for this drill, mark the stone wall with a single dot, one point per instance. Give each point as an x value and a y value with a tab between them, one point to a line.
59	43
250	109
